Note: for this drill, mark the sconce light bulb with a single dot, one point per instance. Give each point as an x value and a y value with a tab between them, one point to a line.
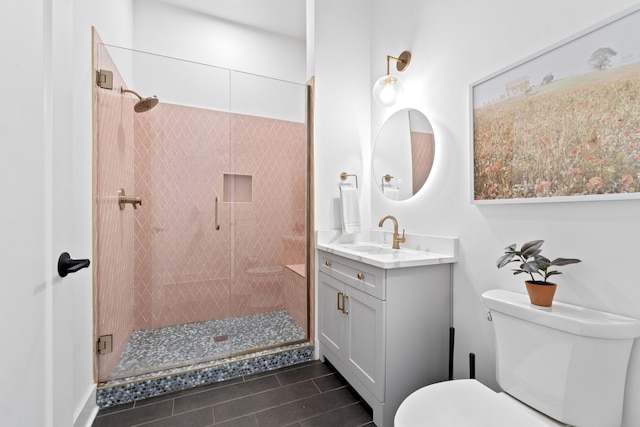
386	90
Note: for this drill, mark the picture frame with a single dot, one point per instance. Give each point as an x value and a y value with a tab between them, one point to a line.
562	124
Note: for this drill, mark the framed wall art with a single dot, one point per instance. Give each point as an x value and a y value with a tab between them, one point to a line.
564	123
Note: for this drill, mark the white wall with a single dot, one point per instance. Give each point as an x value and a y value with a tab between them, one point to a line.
342	123
23	399
180	33
311	40
454	44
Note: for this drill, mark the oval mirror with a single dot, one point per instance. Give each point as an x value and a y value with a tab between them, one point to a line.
403	154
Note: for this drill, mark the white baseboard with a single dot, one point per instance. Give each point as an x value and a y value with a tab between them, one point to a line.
88	413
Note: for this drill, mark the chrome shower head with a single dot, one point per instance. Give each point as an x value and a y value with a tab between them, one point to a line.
145	104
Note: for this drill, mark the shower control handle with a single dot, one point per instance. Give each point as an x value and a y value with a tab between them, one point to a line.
123	199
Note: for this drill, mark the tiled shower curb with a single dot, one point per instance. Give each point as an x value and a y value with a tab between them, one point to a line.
128	390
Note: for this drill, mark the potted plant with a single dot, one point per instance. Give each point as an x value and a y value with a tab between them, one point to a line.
531	262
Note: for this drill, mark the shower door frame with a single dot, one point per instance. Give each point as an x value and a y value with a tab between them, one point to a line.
308	233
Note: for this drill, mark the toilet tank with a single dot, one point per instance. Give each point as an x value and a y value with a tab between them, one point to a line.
567	362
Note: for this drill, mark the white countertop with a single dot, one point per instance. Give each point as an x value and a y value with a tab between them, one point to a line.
373	247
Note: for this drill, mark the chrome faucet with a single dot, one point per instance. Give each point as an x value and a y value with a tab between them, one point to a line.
396	237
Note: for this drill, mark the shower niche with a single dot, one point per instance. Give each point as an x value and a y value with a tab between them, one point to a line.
237	188
204	269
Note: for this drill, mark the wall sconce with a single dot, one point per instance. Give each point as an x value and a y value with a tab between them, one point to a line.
388	88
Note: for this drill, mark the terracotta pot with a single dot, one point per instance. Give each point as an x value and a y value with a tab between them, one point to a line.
541	293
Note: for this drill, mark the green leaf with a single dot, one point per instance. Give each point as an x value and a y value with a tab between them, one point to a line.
510	248
553	273
528	248
565	261
504	260
530	267
542	262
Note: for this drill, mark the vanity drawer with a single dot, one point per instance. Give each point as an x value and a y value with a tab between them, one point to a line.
361	276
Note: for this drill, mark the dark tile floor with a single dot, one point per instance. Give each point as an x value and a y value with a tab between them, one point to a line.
311	394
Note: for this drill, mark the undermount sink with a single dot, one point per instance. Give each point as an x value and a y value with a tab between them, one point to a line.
371	249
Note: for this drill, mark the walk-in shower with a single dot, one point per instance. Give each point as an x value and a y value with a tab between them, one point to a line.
211	263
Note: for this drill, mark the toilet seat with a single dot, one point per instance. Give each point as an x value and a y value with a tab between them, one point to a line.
466	403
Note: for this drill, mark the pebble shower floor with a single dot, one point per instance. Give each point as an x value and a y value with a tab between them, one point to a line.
171	346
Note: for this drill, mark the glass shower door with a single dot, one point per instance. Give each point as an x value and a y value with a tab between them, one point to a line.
212	263
268	207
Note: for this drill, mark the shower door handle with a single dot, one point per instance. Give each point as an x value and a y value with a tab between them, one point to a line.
217	209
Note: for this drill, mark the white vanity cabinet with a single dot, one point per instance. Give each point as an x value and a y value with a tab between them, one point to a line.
385	330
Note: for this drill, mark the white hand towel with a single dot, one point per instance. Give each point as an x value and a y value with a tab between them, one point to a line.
392	193
350	209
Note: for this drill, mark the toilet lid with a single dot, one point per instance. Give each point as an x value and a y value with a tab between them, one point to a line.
465	403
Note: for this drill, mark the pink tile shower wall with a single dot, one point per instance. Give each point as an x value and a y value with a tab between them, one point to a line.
186	270
113	228
182	262
274	153
422	154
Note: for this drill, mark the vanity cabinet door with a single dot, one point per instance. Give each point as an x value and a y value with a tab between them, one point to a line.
352	328
365	339
331	319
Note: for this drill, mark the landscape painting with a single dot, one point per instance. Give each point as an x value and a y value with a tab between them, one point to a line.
563	124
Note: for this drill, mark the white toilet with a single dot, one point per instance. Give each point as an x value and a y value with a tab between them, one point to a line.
564	365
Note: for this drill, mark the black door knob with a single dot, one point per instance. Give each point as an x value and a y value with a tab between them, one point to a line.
67	265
